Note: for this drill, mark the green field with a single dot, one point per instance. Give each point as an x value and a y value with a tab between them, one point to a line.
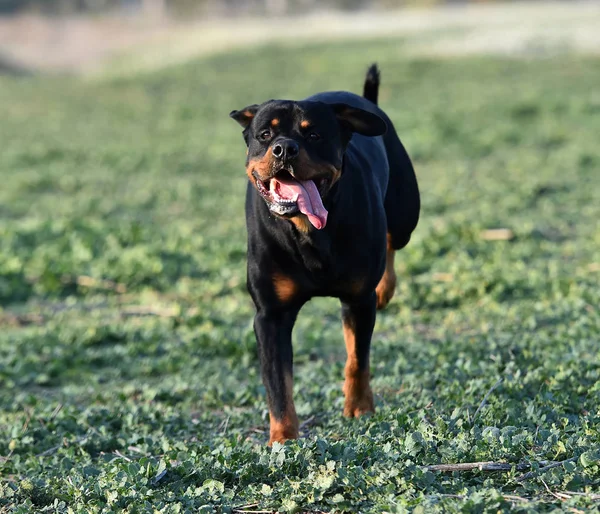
128	370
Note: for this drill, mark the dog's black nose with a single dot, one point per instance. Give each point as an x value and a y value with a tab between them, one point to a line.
286	149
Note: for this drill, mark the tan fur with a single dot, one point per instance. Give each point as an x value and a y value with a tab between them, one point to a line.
262	166
285	287
301	222
357	387
287	427
387	285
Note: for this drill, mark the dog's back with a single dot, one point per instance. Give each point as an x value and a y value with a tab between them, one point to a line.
394	171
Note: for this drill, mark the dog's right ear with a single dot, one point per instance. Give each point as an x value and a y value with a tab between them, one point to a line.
244	116
360	121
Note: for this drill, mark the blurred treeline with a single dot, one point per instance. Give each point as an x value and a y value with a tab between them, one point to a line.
199	7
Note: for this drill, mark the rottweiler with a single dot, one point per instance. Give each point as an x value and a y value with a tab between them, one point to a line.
331	195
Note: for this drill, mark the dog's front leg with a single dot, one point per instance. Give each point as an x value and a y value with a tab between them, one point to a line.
273	329
358	320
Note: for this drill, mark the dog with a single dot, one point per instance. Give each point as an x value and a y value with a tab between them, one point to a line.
331	195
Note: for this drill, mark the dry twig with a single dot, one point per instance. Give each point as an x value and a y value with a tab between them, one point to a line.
225	424
481	466
137	450
497	234
556	495
512	497
307	423
487	395
246	506
591	496
95	283
56	411
531	474
244	509
253	511
124	457
64	443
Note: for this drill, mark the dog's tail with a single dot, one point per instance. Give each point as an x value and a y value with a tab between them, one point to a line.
371	87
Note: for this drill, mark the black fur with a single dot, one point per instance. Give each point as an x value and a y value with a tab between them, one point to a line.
371	87
375	193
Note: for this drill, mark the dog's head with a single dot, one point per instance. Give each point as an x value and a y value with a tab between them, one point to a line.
295	151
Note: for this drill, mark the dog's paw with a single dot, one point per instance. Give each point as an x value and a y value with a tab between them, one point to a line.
359	403
284	429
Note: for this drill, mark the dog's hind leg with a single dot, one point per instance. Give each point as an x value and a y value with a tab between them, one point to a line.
387	284
402	205
402	202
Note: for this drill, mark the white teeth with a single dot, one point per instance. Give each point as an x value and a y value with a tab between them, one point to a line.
278	198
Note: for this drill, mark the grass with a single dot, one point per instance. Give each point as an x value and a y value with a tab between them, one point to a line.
128	369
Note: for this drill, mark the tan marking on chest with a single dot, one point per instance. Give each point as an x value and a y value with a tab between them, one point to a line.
301	222
285	287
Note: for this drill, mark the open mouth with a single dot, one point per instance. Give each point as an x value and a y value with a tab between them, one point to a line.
288	196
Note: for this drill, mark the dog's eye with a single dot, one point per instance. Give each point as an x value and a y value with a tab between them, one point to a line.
265	135
313	136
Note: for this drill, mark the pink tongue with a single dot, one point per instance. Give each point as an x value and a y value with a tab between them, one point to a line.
309	200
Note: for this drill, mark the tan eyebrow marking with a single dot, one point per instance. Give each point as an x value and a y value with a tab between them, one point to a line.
305	123
275	122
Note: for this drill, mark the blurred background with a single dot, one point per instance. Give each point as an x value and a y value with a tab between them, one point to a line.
86	35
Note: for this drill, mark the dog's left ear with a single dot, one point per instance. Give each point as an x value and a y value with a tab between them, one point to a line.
360	121
244	116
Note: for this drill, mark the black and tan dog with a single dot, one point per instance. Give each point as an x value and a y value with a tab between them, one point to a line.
331	195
